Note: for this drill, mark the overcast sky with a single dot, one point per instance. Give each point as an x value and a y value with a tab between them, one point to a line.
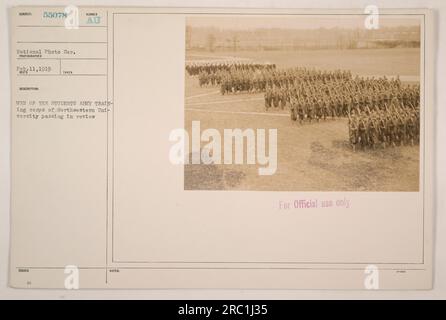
297	21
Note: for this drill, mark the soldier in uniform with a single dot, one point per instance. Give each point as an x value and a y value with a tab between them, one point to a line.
268	98
293	109
353	130
401	130
309	109
283	98
410	129
301	110
362	132
390	125
373	131
382	129
317	109
326	109
275	97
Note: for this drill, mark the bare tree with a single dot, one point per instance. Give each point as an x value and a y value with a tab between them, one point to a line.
188	37
235	42
211	42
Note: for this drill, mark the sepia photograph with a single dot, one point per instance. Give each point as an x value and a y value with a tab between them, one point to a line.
303	102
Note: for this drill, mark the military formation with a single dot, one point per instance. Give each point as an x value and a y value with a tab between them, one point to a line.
249	81
213	73
396	125
321	99
381	111
196	68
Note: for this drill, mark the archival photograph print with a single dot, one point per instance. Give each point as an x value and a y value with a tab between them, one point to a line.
303	102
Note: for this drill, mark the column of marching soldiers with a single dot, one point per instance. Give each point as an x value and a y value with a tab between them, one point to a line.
380	111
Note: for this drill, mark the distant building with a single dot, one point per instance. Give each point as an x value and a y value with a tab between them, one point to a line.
214	39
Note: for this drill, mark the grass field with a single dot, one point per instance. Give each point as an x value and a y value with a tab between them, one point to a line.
402	61
311	157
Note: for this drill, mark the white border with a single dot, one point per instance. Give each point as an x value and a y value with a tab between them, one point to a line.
439	290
